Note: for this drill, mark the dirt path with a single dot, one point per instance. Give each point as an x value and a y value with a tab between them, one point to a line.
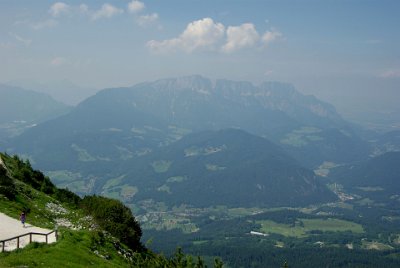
10	227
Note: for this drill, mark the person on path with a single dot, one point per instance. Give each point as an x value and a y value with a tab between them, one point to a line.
23	218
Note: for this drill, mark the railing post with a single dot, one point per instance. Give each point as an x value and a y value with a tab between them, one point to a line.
3	242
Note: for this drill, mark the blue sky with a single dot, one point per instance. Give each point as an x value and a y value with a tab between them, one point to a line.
322	47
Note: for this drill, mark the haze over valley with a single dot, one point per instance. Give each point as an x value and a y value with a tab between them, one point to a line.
223	124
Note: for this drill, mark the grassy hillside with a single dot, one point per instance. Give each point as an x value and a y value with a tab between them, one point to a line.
74	249
94	231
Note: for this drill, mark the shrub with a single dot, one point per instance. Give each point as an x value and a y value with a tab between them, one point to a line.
7	187
115	218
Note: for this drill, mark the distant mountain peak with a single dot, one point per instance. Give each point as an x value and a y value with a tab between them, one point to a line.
194	82
279	88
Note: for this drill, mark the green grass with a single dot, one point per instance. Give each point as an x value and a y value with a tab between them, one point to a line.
83	155
192	151
365	202
211	167
199	242
179	131
314	138
342	205
324	169
127	191
294	140
124	153
29	199
301	137
161	166
74	249
374	245
370	189
268	226
139	131
63	176
37	215
73	181
304	226
164	188
307	130
241	212
112	194
75	186
332	225
176	179
124	192
113	182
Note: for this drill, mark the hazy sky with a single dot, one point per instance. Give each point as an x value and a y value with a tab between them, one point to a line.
317	45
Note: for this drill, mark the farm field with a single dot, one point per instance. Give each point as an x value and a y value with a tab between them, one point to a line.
304	227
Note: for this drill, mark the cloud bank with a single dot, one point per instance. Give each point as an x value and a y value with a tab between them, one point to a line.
59	8
200	34
239	37
205	34
106	11
135	6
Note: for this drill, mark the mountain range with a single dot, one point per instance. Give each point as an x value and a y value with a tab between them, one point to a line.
119	123
20	109
199	160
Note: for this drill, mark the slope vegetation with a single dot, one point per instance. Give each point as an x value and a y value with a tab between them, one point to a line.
227	167
94	231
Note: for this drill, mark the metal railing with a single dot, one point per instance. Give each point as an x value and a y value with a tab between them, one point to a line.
3	242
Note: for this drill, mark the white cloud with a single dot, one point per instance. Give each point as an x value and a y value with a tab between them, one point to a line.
270	36
25	41
44	24
135	6
205	34
59	8
106	11
239	37
57	61
147	19
200	34
395	73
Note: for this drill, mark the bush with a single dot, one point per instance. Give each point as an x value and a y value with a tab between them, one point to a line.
66	196
115	218
7	187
